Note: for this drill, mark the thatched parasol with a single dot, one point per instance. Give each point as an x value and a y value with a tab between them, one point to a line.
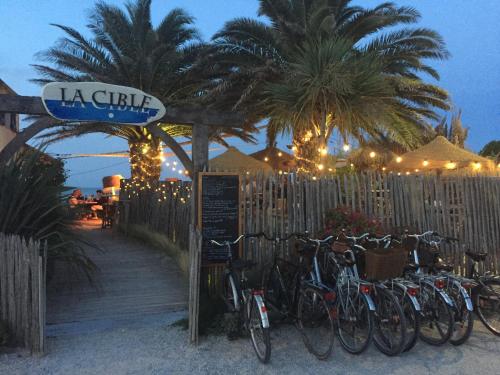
278	159
235	161
440	154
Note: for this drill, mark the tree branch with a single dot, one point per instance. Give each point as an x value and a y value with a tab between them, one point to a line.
173	145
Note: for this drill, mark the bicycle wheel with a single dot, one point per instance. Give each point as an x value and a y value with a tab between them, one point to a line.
412	318
259	334
389	335
487	302
463	318
436	324
354	320
230	293
315	323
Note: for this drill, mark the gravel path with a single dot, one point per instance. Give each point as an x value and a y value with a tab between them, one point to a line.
153	346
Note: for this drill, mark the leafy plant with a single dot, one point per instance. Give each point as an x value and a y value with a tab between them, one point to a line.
355	222
33	205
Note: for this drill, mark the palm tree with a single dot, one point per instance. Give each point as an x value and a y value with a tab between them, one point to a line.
455	132
126	49
321	66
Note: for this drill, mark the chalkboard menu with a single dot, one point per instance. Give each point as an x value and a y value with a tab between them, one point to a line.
219	214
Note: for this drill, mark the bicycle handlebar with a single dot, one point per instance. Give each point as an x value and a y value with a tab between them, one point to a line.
421	237
225	243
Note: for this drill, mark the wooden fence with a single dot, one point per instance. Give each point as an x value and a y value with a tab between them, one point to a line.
22	290
165	209
466	207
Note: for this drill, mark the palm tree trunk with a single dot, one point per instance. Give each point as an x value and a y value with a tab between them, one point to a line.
145	161
306	145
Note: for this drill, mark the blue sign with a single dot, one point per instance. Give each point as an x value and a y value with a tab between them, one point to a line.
101	102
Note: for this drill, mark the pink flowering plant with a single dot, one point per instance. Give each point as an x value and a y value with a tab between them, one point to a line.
353	222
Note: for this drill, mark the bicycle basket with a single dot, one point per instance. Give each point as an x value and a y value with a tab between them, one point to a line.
427	255
383	264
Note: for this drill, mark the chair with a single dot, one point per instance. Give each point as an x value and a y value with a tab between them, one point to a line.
108	214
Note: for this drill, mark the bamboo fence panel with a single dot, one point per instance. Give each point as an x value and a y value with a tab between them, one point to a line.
22	290
466	207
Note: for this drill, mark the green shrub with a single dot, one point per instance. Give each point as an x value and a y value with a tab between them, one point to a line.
33	204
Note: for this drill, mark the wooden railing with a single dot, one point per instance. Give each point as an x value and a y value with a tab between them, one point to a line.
466	207
22	290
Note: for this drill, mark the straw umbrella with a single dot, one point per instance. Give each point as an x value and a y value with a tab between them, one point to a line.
278	159
235	161
440	154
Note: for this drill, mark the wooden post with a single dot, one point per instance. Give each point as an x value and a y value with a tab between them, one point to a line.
200	163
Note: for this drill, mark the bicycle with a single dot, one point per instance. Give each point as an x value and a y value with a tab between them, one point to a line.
486	294
437	308
296	296
406	291
247	302
389	334
354	306
457	287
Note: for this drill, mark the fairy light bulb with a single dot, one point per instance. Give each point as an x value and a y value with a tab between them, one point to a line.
373	154
425	163
476	166
346	147
451	165
321	167
266	159
399	159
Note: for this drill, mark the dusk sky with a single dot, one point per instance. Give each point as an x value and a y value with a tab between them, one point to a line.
472	74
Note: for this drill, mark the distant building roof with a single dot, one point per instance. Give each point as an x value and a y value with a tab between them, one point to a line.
6	89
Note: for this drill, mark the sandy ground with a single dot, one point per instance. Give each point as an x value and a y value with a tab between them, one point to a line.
153	346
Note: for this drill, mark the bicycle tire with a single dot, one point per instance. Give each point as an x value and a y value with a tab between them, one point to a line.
462	316
273	291
389	321
314	312
431	302
479	301
254	320
412	318
363	317
230	293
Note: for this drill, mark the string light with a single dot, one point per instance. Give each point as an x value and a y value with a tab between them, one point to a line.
321	167
417	170
399	159
425	163
346	147
451	165
373	154
266	159
384	168
280	154
476	166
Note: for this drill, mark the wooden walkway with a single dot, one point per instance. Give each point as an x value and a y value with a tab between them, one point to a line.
134	281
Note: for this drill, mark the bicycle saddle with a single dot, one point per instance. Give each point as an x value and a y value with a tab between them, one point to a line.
443	267
477	257
241	264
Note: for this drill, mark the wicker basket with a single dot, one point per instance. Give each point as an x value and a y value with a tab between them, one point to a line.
427	255
383	264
